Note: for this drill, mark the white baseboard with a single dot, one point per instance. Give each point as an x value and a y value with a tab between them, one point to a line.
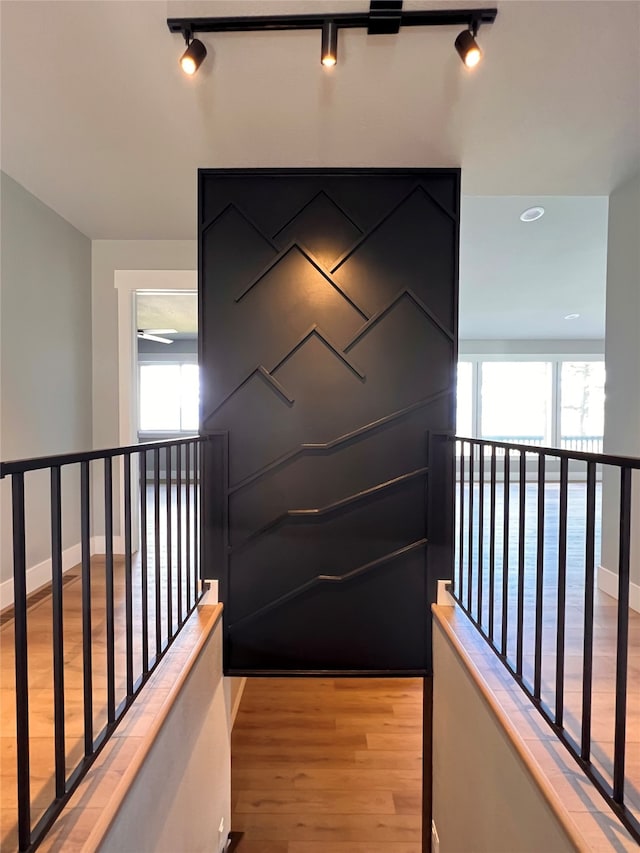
98	545
40	574
608	582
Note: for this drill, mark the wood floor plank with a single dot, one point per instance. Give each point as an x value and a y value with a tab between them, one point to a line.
389	759
329	828
308	777
269	756
252	719
248	846
406	685
299	737
351	847
407	803
409	724
396	780
313	801
402	741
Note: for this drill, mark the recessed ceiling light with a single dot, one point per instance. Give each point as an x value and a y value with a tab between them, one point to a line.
531	214
571	316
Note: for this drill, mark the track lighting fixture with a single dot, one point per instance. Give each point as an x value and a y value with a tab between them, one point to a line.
467	47
385	17
329	53
193	56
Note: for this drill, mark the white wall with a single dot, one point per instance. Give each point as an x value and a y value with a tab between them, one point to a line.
107	257
622	358
546	347
183	789
485	798
45	360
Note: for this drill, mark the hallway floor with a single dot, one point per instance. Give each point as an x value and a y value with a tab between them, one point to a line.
328	765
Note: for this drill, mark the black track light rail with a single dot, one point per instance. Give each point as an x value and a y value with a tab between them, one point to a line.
472	18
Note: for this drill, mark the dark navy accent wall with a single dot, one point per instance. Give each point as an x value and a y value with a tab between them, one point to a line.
328	343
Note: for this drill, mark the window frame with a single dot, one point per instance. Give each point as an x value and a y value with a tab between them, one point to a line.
555	359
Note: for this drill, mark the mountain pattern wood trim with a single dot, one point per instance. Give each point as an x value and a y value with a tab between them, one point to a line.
328	353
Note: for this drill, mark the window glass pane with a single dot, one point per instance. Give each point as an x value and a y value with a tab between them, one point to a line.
516	401
582	405
190	397
160	397
464	399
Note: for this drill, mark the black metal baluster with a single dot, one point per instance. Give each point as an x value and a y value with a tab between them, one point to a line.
537	665
522	499
480	531
492	544
157	561
58	629
128	573
505	552
472	453
144	563
108	570
21	660
461	521
187	454
194	517
589	584
622	650
179	529
198	523
562	589
86	608
169	498
196	509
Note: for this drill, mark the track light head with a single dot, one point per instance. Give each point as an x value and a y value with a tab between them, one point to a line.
383	17
467	47
329	52
193	56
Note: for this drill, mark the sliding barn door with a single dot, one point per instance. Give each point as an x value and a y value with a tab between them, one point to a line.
328	347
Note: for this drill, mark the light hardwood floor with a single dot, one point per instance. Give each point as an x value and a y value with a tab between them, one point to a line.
328	765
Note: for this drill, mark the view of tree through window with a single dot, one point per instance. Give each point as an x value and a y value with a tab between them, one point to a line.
582	407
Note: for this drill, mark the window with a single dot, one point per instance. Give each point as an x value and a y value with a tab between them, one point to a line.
464	399
557	402
582	405
169	397
516	401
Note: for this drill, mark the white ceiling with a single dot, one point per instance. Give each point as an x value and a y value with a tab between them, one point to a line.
100	124
520	279
177	311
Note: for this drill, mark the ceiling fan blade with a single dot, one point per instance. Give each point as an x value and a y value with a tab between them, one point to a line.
145	336
160	331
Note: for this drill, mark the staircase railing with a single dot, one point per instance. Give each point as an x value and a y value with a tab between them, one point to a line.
527	551
148	595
